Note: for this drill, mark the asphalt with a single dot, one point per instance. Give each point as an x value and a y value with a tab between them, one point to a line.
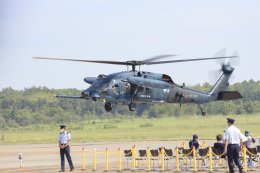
46	157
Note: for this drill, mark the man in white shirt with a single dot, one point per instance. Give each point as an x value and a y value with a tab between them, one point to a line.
232	140
64	141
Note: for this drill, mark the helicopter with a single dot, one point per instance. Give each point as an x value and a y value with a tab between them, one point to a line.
134	87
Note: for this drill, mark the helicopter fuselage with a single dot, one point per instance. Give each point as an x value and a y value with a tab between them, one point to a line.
116	88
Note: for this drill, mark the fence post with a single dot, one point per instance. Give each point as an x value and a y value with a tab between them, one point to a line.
136	163
83	158
94	158
194	159
162	158
177	159
133	153
106	159
244	155
210	159
148	158
184	147
119	160
227	167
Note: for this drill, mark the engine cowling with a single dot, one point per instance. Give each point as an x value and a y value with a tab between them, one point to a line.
90	80
149	82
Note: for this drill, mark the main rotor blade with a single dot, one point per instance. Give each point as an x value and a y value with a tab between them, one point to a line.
98	61
157	57
185	60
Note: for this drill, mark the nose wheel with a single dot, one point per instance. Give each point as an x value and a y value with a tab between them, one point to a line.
132	106
108	106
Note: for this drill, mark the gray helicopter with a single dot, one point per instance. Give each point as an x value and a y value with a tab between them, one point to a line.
142	87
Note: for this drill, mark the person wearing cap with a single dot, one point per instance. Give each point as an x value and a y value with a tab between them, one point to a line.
250	140
232	140
195	142
64	141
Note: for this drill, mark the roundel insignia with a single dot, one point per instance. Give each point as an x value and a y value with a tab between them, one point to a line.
186	96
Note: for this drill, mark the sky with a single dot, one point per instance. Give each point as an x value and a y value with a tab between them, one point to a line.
120	31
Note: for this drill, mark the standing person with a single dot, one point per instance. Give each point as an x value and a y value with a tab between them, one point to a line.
232	140
64	141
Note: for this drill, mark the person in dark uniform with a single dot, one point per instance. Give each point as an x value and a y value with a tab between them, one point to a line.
64	141
232	140
220	145
195	142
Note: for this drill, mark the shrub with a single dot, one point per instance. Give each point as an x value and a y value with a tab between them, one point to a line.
109	126
147	125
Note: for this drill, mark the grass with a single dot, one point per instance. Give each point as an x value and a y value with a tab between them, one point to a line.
137	129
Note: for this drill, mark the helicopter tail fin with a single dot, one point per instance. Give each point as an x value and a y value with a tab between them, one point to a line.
218	91
221	85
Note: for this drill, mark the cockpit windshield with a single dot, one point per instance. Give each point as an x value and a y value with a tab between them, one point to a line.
101	82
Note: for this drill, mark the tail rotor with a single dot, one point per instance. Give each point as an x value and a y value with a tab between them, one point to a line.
225	66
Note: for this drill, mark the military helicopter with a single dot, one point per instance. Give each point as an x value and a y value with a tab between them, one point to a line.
143	87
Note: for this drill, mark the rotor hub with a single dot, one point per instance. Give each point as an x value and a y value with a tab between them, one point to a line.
227	69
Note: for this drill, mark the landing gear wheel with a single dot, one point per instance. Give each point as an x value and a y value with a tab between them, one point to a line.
202	110
132	107
108	106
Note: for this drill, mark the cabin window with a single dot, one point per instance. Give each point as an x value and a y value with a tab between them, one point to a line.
141	90
149	90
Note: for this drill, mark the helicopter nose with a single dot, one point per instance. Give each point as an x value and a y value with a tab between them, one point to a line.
85	94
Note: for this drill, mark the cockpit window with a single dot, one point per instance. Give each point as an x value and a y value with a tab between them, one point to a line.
101	82
116	86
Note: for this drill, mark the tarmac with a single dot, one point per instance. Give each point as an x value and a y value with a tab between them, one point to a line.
46	157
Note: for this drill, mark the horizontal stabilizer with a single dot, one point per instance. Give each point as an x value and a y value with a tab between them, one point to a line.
229	95
67	96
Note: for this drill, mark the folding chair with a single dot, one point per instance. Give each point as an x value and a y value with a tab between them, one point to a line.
142	157
251	162
128	156
258	148
155	154
202	153
216	158
190	156
258	157
169	153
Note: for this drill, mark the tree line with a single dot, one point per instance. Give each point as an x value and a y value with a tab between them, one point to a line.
36	105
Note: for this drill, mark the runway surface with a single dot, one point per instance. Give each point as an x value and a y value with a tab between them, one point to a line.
46	157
